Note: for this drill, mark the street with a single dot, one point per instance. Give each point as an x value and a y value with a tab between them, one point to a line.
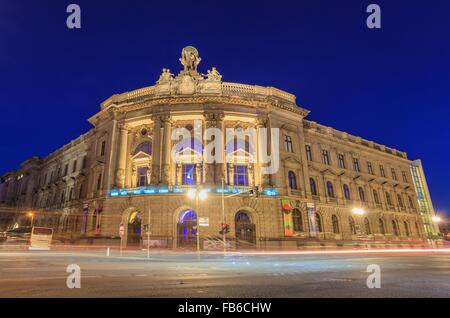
182	274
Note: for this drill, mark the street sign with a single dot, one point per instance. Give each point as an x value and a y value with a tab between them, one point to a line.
121	229
203	221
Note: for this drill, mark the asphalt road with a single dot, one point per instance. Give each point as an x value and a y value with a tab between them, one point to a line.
169	274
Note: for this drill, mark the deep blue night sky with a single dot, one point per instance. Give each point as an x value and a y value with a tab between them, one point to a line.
389	85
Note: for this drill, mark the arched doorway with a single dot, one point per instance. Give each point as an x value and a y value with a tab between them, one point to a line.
134	229
187	229
245	230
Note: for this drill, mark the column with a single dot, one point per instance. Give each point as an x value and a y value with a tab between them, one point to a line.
264	179
122	156
220	167
166	150
156	161
210	122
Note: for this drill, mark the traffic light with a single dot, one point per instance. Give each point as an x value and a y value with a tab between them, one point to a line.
225	229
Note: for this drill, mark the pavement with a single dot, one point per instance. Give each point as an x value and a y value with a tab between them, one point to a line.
336	274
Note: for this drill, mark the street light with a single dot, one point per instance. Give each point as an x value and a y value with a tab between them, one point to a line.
197	194
31	215
358	211
436	219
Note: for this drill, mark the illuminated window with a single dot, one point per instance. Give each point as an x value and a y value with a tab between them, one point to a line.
318	222
312	185
376	198
394	174
325	157
308	153
240	175
341	161
189	175
369	168
346	192
330	189
142	175
335	222
288	143
382	173
362	195
356	165
292	180
297	220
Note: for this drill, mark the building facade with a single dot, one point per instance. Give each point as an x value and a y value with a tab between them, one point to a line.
330	187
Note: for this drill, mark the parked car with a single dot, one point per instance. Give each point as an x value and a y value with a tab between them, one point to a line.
19	235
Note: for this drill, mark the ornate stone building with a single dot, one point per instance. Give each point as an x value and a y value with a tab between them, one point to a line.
330	188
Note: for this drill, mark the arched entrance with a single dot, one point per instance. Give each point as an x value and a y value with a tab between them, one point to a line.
245	230
187	229
134	229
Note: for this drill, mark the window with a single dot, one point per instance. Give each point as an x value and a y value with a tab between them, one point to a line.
351	223
400	201
145	147
362	195
356	165
142	175
367	226
318	222
297	220
346	192
388	199
394	175
189	175
70	194
308	153
312	185
335	222
62	197
288	143
411	203
406	225
325	157
66	169
382	173
99	182
341	161
240	176
330	189
381	227
369	168
74	167
83	165
292	180
405	179
395	228
376	198
103	148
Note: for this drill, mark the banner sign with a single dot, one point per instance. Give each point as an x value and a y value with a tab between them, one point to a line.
287	217
311	212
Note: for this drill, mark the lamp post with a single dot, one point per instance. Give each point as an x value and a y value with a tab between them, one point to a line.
359	212
31	215
197	194
223	218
